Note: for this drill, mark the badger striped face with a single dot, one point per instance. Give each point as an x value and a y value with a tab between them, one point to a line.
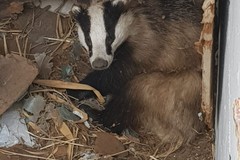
102	28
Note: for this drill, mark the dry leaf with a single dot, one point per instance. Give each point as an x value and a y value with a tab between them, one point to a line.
7	9
44	64
68	134
107	144
66	131
60	151
15	7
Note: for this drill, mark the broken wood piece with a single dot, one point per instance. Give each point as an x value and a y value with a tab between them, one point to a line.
16	74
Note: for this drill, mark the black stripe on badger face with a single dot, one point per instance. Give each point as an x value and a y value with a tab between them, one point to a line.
111	16
83	20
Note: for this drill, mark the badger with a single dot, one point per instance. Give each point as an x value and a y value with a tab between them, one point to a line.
142	53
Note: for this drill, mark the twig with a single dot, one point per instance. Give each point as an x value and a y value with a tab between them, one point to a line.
115	154
33	18
35	153
10	31
50	145
68	34
134	152
57	24
58	39
35	126
53	152
61	141
50	44
60	27
29	48
25	47
5	44
23	155
6	22
46	90
51	90
152	157
18	45
34	46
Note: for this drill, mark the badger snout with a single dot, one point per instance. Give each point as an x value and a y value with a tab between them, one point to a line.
99	64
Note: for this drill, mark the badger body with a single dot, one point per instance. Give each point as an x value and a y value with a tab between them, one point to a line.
143	55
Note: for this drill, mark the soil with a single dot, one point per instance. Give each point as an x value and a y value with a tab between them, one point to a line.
37	24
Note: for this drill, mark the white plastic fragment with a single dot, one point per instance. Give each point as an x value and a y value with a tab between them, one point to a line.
89	156
34	105
200	116
13	129
56	6
7	139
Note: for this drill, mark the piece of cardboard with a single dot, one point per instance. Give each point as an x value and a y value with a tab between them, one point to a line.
16	74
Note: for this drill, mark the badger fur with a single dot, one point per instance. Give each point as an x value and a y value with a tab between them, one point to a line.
143	55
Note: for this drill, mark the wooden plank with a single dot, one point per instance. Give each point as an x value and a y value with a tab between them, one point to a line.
204	47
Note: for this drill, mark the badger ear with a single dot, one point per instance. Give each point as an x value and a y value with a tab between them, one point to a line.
76	9
81	4
116	2
128	2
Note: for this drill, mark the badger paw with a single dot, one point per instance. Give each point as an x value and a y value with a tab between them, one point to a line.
80	94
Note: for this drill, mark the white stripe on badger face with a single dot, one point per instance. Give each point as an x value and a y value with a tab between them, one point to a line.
122	30
82	38
98	34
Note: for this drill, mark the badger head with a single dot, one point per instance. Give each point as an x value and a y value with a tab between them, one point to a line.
102	27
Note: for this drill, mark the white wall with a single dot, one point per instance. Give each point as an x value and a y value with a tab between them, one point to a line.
226	140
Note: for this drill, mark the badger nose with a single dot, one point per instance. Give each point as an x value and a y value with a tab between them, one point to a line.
99	64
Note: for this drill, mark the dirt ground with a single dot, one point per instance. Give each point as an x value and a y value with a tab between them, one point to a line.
54	35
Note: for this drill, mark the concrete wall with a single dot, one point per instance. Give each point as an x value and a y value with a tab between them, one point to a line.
229	87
